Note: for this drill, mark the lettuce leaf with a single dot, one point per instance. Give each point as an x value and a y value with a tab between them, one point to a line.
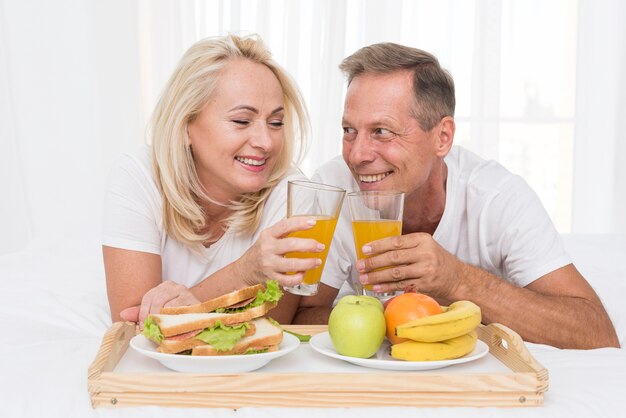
152	331
272	293
223	337
302	337
253	351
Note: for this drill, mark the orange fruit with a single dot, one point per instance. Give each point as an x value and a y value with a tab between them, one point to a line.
405	308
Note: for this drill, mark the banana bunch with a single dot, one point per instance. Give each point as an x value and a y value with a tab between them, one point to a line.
444	336
443	350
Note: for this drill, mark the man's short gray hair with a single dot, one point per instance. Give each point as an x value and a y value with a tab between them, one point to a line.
433	86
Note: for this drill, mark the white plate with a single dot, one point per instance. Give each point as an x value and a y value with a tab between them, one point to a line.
213	364
382	360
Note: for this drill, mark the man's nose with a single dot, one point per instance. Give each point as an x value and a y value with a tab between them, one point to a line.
361	150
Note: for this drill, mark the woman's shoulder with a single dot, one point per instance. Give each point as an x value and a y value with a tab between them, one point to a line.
136	160
132	174
134	167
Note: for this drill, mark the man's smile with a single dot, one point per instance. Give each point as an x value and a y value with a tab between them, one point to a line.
373	178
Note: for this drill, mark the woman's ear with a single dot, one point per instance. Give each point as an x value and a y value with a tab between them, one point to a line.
445	135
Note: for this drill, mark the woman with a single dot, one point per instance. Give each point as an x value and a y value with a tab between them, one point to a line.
200	212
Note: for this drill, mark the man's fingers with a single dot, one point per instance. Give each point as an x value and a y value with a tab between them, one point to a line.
390	258
397	286
392	274
397	242
388	275
385	244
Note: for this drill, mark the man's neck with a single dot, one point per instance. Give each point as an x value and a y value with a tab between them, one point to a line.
424	207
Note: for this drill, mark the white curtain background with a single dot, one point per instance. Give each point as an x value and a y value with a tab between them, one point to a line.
541	87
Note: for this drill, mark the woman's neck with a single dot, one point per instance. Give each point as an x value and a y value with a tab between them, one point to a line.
215	216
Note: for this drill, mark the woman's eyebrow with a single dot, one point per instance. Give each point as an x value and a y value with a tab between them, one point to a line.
277	110
255	110
245	107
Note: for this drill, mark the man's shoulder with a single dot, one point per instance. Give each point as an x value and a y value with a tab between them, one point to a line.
477	173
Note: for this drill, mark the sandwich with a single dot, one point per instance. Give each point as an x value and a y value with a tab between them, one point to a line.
266	337
229	324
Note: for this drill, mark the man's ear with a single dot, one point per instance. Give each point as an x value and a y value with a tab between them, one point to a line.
445	136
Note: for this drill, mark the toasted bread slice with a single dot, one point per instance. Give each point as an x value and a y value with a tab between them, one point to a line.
267	336
261	310
176	345
171	325
210	305
203	350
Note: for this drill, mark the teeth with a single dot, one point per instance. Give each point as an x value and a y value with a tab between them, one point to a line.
250	161
373	178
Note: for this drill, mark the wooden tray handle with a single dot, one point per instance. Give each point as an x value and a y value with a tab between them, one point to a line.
113	346
507	346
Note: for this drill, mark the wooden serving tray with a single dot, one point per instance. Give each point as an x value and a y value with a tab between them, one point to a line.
524	385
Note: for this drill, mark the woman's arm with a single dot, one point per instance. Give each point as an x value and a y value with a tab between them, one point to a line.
129	276
135	286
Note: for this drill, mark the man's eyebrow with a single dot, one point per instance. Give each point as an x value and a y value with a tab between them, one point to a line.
383	120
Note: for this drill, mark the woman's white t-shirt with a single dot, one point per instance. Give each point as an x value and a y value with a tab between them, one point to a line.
133	220
492	220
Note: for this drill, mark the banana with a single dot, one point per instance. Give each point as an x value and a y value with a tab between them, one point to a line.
443	350
458	319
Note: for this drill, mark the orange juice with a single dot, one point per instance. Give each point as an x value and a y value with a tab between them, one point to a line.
322	231
368	231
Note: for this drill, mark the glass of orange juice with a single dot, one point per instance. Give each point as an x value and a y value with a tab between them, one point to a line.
375	215
322	202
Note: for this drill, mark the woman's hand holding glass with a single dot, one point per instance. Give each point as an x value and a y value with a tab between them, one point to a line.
266	258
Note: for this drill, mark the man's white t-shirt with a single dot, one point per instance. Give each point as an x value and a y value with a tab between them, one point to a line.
133	220
492	220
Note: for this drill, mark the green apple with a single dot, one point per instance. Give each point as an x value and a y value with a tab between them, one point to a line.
369	300
357	326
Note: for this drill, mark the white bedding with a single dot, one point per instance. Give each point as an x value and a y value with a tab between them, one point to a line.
54	312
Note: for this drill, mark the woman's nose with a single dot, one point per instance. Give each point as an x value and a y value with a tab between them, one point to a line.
262	138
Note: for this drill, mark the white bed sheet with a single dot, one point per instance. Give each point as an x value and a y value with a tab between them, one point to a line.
53	312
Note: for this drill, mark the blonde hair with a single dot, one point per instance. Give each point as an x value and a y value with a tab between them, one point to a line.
187	91
433	87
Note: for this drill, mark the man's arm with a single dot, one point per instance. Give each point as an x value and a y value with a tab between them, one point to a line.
316	309
560	308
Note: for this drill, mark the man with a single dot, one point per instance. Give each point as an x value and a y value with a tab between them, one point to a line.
471	229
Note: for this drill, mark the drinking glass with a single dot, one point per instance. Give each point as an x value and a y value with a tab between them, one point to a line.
375	215
322	202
